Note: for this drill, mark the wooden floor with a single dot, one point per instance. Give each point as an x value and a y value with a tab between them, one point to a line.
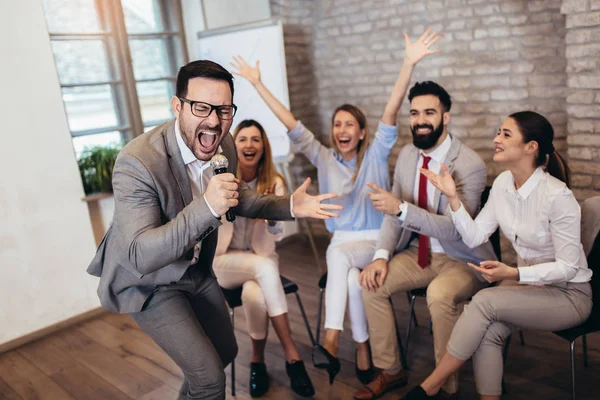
111	358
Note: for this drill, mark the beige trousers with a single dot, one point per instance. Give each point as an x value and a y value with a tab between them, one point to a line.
496	312
449	282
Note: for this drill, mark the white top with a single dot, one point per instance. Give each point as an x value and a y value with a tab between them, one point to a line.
435	165
543	222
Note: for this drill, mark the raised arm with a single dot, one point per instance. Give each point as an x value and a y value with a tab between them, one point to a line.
252	75
414	53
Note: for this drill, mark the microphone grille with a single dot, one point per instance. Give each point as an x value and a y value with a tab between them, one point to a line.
219	161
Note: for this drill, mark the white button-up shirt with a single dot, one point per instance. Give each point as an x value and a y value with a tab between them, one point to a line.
542	220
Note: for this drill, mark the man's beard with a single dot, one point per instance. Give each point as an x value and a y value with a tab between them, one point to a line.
425	142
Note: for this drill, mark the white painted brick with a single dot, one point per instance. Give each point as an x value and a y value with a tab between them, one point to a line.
509	94
582	20
581	97
584	82
594	4
574	6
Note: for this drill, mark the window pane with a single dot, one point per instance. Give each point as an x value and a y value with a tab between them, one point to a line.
72	16
150	58
80	61
142	16
155	100
89	107
100	139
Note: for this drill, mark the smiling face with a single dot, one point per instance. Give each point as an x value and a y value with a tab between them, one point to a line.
250	147
509	145
347	134
203	135
428	121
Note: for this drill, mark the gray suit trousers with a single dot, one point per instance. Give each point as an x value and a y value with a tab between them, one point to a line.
190	322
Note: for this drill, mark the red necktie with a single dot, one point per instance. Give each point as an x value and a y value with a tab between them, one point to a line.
423	259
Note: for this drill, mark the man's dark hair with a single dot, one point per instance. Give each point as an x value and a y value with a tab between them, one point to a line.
429	87
201	69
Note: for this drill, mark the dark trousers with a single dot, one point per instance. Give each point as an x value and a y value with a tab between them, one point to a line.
190	322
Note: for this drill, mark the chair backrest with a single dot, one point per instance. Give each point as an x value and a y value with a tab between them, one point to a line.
590	238
495	238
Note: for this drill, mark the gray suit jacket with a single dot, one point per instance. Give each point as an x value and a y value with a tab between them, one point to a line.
157	224
469	173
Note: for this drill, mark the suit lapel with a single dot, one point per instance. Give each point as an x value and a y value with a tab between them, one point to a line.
449	163
408	178
177	165
228	147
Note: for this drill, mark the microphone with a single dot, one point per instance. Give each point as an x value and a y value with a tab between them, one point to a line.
219	164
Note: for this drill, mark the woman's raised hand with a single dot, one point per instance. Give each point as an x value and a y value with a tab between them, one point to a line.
416	51
243	69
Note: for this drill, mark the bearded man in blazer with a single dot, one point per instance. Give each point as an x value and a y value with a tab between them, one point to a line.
418	244
155	261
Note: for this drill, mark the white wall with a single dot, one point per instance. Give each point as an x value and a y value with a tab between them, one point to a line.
46	240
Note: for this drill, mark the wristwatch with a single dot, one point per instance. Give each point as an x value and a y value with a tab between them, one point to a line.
399	210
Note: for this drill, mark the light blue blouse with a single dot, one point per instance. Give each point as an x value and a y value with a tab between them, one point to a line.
335	176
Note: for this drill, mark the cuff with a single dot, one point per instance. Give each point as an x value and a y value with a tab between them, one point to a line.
459	214
296	133
211	209
403	210
381	253
387	129
291	206
527	275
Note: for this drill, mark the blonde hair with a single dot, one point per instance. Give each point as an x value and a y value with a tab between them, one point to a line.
266	172
363	144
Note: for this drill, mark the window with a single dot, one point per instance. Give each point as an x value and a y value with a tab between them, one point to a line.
117	62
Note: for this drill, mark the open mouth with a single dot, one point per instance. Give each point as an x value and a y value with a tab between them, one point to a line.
424	131
498	150
208	140
343	141
249	155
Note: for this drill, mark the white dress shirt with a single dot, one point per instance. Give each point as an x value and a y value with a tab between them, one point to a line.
435	165
542	220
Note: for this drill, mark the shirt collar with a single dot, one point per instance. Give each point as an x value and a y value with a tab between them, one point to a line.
187	154
530	184
439	154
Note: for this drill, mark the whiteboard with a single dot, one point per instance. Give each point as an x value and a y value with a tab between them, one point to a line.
257	41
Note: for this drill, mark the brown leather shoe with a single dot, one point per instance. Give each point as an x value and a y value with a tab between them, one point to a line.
381	384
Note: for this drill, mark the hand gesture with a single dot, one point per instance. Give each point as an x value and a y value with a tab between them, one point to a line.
384	200
270	190
221	193
416	51
243	69
445	183
374	275
494	271
307	206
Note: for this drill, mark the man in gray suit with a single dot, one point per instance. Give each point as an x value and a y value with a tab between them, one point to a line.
155	261
419	234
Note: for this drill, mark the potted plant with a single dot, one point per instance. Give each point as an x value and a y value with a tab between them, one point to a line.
96	167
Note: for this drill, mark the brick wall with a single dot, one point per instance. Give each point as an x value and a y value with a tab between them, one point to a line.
498	57
583	94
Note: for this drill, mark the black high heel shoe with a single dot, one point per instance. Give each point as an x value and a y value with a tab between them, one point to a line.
417	393
259	379
365	376
299	380
322	359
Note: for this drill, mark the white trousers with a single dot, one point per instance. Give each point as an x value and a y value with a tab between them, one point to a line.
347	254
262	293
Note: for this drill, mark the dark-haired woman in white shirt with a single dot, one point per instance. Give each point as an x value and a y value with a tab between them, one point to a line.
550	289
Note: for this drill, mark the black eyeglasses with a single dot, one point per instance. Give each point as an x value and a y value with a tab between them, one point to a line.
203	110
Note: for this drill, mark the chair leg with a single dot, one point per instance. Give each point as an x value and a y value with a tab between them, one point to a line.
233	361
585	356
411	311
399	339
522	337
572	353
310	334
313	246
414	317
321	291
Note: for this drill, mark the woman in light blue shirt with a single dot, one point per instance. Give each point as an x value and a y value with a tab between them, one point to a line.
345	168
